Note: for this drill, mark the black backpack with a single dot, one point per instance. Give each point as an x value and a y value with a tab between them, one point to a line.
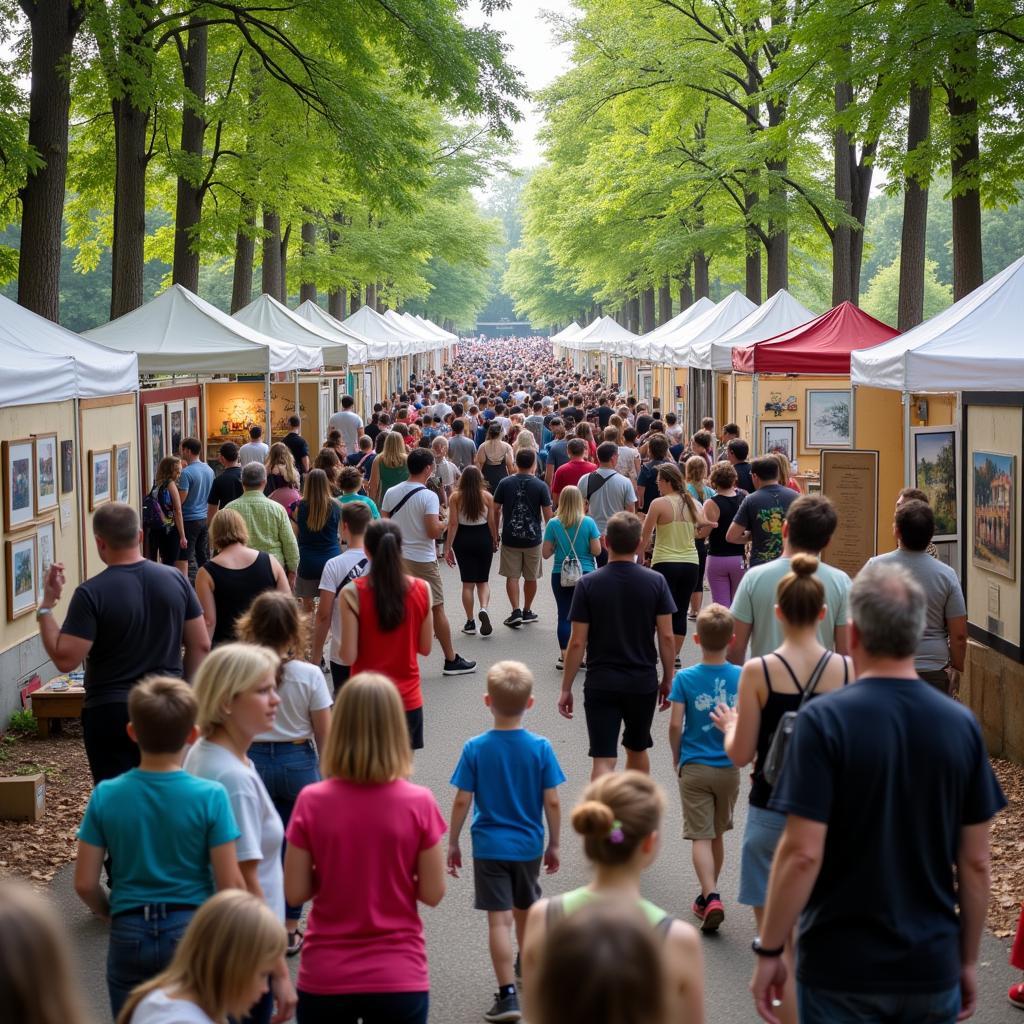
153	515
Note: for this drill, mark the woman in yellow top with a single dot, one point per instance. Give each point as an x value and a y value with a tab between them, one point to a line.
676	521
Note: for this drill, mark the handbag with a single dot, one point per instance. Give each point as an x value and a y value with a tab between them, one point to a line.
572	569
775	759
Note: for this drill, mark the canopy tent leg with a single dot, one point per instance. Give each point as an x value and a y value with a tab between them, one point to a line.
266	399
297	405
755	419
907	456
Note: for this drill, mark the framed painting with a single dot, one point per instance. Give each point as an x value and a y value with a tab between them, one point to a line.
45	456
175	426
192	418
122	472
100	473
779	436
67	467
45	557
829	418
995	503
156	440
20	479
936	468
21	577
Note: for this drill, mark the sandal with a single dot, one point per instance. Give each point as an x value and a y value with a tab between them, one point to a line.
295	940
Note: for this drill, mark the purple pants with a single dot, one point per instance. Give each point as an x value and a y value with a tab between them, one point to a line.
724	573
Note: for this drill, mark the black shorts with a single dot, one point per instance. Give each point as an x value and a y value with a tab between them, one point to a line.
414	720
609	712
506	884
165	545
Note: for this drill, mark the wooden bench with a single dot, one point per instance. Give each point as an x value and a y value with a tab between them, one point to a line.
50	706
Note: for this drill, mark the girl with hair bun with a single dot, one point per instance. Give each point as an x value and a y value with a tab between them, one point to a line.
619	820
771	686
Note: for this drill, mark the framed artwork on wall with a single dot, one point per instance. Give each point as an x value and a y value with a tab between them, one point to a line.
67	467
829	418
779	436
122	471
995	504
100	477
46	472
21	577
156	440
936	471
45	548
19	481
175	426
192	418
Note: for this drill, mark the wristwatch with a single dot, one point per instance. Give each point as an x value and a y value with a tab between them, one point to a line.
761	951
43	610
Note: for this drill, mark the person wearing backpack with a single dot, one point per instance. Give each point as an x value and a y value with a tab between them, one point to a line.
607	491
773	687
521	504
573	539
162	520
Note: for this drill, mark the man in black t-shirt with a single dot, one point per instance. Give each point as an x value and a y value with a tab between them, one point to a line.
736	454
761	514
228	484
297	445
129	621
891	786
615	613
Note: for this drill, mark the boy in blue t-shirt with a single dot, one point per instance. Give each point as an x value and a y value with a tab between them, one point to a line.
163	830
511	778
708	781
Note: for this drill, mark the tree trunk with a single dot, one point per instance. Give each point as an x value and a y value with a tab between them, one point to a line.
245	250
307	289
54	24
189	207
634	315
337	303
842	268
915	214
272	254
285	238
701	277
664	301
127	250
752	261
356	301
647	312
685	289
381	304
777	246
371	296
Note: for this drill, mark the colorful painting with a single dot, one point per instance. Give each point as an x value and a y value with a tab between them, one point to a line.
935	473
46	472
995	503
99	477
192	418
19	476
122	470
67	467
829	418
779	437
777	405
175	427
21	577
156	436
45	548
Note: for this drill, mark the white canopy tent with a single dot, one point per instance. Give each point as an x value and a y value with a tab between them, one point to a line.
178	332
427	338
599	336
975	345
447	335
567	332
674	347
699	308
381	339
49	363
780	313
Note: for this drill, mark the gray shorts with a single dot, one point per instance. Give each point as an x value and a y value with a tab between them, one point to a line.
506	884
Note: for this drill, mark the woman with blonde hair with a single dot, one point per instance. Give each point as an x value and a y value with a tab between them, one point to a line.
469	542
317	520
36	981
620	821
365	959
389	467
167	542
236	688
282	477
219	969
237	573
696	472
574	541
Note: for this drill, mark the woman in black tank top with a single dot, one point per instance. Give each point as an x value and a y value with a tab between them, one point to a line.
725	564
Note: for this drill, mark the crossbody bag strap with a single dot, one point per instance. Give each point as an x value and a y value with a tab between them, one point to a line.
398	508
812	683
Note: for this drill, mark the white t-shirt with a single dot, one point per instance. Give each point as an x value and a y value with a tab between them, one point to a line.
350	425
253	451
255	814
506	424
339	571
446	472
627	464
302	689
441	410
159	1008
417	544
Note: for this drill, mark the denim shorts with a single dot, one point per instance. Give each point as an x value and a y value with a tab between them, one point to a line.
818	1006
760	837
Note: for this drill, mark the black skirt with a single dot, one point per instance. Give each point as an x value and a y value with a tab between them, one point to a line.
474	551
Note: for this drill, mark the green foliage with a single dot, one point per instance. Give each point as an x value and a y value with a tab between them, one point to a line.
22	723
883	294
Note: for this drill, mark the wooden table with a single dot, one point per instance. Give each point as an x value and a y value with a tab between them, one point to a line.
50	706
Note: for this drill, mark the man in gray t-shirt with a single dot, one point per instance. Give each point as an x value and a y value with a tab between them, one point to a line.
461	449
944	643
607	491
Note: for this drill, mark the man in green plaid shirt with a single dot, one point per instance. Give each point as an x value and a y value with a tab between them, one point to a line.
268	524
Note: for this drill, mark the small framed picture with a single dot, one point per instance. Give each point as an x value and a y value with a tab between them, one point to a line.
45	553
175	426
779	436
21	577
156	439
829	418
67	467
99	477
20	479
122	471
192	418
46	472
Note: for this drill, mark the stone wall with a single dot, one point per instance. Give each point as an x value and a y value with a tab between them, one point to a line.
992	686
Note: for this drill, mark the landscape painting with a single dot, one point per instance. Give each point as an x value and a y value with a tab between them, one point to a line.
46	472
935	473
21	577
19	477
995	501
99	477
829	418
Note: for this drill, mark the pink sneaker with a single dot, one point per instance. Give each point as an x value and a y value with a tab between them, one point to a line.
714	914
1016	995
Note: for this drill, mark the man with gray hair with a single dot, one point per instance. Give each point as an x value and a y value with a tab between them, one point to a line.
886	784
268	524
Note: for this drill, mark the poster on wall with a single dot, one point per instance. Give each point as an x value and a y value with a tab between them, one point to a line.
100	482
67	467
850	480
21	577
19	478
192	418
122	471
156	434
829	418
995	499
46	472
45	547
936	473
779	436
175	427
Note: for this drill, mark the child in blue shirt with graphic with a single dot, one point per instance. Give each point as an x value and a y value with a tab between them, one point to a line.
164	830
708	781
510	776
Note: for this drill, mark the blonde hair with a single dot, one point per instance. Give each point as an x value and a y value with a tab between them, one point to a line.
281	461
785	469
393	453
227	672
570	507
369	738
510	687
316	493
526	439
275	620
619	811
228	527
233	936
715	628
696	469
36	982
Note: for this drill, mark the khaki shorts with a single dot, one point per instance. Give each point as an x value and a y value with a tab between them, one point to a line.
430	573
709	796
521	562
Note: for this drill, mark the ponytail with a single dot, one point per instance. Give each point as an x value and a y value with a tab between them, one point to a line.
383	543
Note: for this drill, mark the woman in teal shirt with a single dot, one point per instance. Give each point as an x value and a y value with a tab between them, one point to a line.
569	534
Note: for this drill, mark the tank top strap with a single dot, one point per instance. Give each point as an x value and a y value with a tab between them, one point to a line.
767	674
789	669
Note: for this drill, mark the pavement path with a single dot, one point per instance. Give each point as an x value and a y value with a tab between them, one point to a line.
462	980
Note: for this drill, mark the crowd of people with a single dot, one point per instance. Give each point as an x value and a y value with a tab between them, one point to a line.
253	705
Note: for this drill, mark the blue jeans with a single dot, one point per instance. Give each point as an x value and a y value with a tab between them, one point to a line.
563	601
285	769
141	946
818	1006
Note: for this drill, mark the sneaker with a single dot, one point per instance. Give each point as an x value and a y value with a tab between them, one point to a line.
486	629
504	1008
560	664
515	620
679	662
459	666
699	907
529	616
1016	995
714	913
469	628
295	941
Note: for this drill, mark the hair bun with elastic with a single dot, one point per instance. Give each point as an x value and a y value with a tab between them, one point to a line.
593	818
803	564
